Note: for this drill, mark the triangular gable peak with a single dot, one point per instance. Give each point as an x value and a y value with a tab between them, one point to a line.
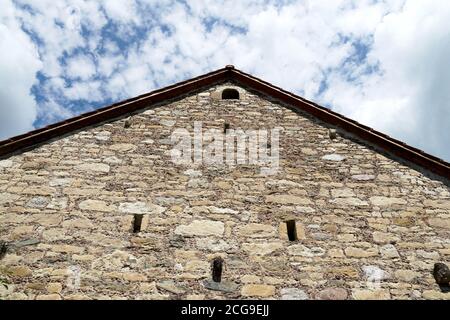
377	139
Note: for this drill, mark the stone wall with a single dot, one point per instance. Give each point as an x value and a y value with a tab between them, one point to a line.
368	227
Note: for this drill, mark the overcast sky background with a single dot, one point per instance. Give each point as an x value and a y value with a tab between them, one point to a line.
385	63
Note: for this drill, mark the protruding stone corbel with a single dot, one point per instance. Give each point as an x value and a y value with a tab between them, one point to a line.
3	250
332	134
441	274
127	123
6	247
216	283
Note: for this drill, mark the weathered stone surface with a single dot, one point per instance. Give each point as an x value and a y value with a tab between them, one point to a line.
95	205
439	222
171	286
301	250
309	151
404	221
363	177
44	191
374	274
148	141
80	297
224	286
360	253
262	249
78	223
123	147
332	294
58	204
383	237
250	278
213	244
83	257
436	295
347	237
38	202
36	286
66	248
406	275
47	219
59	182
257	290
389	251
287	199
438	204
134	277
6	291
198	266
103	136
336	253
7	198
431	255
141	208
333	157
22	231
386	201
293	294
6	163
54	288
93	167
256	230
350	202
78	197
49	297
201	228
224	185
217	210
342	193
112	160
19	271
364	294
301	209
25	243
54	234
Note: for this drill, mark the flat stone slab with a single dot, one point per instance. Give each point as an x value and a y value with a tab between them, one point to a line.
140	208
363	177
201	228
6	163
224	286
293	294
171	287
24	243
333	157
332	294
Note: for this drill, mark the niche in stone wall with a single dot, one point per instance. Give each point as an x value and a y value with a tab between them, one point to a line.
230	94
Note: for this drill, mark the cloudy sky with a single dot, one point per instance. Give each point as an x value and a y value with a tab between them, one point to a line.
384	63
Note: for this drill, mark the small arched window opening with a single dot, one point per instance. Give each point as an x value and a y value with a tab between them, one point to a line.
229	94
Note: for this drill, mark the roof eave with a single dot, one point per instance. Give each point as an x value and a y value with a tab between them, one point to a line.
378	139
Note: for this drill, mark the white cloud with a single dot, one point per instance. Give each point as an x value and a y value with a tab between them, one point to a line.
124	11
80	66
410	98
84	91
19	63
309	47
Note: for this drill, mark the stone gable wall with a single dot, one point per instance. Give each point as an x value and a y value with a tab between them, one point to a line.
368	227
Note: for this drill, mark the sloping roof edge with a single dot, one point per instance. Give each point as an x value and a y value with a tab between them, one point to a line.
380	140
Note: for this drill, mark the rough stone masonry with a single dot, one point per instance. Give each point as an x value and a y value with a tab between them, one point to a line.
366	226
